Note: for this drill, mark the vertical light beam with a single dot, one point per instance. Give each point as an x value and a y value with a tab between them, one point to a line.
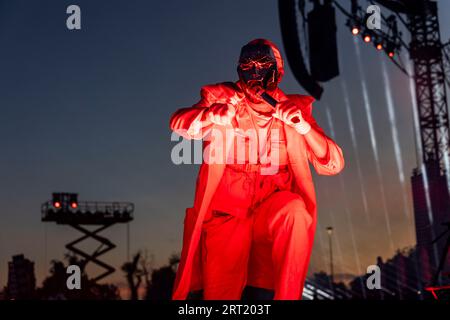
373	141
355	148
394	133
346	208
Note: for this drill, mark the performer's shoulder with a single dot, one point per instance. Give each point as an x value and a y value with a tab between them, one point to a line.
302	100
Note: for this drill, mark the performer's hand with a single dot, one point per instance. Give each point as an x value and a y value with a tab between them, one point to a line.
221	114
290	113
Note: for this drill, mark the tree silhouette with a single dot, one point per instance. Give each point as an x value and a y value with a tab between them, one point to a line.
134	275
54	287
163	280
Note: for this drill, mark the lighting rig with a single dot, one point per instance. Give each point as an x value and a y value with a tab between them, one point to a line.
65	209
430	73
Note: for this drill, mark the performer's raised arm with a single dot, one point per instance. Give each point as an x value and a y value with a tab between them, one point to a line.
325	155
192	122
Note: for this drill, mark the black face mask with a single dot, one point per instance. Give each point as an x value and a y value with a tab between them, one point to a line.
257	67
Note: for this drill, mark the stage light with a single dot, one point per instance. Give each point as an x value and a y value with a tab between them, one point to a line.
390	49
378	43
56	200
354	26
366	37
73	200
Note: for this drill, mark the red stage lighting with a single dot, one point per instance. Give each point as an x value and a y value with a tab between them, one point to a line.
57	200
73	200
390	49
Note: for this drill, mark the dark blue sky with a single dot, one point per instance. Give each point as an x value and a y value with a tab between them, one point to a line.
87	111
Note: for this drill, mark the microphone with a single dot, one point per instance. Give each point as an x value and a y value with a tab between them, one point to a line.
273	102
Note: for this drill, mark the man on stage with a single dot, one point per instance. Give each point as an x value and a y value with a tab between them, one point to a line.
254	213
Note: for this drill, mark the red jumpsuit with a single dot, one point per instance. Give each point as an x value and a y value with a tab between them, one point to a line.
246	228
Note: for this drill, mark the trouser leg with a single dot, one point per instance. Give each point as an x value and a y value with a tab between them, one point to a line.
226	243
281	245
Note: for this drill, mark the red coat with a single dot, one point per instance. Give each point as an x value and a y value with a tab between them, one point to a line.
189	270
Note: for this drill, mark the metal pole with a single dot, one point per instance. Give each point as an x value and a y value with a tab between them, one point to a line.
330	232
128	241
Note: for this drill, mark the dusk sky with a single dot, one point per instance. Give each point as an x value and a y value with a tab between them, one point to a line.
87	111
